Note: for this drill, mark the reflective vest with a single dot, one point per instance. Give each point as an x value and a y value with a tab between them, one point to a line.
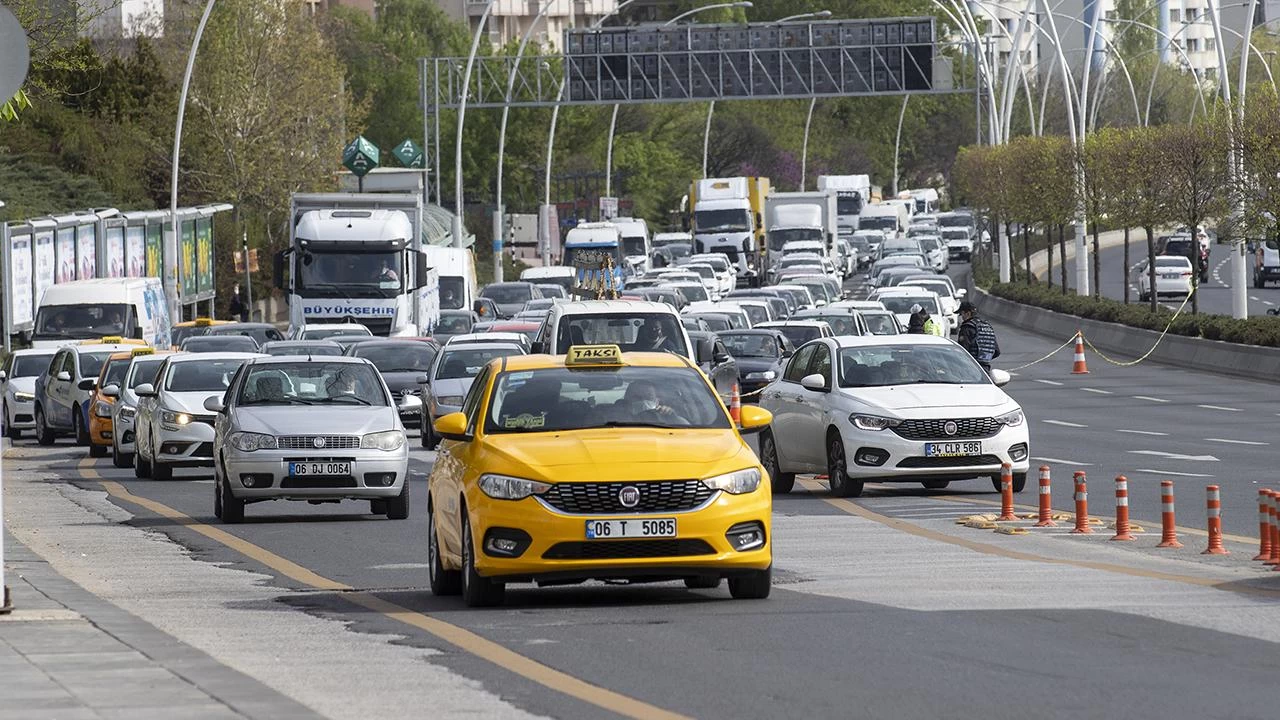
932	328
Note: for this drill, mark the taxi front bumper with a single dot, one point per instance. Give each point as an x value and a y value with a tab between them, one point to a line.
552	546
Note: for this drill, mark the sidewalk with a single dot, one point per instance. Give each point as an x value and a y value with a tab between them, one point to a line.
66	654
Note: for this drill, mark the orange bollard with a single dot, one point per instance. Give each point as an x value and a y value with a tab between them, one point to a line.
1264	525
1082	505
1214	506
1122	509
1046	500
1078	366
1006	493
1168	526
1273	516
735	406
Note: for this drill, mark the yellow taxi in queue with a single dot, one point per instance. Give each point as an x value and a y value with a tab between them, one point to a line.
187	328
597	465
113	372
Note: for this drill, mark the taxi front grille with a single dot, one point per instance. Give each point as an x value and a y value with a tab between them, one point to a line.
624	549
601	498
930	429
308	442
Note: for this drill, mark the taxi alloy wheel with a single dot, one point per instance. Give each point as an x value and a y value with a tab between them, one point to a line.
443	582
477	591
753	586
781	482
838	469
44	435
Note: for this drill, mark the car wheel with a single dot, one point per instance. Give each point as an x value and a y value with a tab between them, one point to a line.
119	459
1019	482
702	582
141	465
160	470
44	435
232	507
838	469
755	586
97	451
82	435
477	591
443	582
430	440
935	484
217	493
398	506
782	482
378	507
9	430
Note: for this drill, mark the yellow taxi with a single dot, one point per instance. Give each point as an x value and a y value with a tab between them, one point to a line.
188	328
597	465
113	373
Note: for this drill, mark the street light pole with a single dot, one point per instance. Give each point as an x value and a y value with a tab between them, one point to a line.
804	150
462	115
1239	294
897	141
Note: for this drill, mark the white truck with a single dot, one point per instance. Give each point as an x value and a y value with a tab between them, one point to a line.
853	192
359	257
727	218
792	216
890	219
635	243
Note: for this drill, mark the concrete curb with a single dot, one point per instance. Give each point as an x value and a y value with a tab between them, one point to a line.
1106	241
1253	362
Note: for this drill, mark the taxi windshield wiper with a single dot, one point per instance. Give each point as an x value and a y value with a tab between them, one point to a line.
638	423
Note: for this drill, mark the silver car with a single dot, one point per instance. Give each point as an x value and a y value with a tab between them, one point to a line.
451	374
319	429
18	388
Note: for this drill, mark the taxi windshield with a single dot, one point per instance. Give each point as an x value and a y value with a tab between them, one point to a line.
115	372
557	399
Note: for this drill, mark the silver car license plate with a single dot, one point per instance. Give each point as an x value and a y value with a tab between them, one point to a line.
319	468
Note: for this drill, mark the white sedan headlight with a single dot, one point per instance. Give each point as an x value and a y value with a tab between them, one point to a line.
389	441
173	420
249	442
1013	418
20	396
127	412
766	375
505	487
735	483
873	422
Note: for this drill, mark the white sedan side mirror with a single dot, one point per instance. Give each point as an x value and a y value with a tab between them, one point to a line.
1000	377
814	382
961	292
213	404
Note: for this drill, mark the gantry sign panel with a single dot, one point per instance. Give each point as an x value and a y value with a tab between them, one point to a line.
685	63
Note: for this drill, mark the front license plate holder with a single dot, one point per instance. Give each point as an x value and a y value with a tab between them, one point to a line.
952	449
631	528
307	469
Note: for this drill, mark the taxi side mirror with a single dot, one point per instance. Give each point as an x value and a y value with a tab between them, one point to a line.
754	419
453	427
112	390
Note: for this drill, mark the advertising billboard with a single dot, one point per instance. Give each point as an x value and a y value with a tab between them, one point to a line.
20	278
87	252
136	243
187	254
204	254
113	253
155	251
46	262
66	254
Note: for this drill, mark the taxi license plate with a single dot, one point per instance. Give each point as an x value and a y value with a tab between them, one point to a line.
636	528
952	449
319	468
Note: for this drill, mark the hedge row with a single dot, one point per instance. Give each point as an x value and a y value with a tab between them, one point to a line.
1259	330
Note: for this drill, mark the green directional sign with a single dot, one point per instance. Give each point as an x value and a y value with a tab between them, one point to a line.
409	154
360	156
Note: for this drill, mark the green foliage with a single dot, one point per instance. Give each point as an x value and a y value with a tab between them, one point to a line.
35	188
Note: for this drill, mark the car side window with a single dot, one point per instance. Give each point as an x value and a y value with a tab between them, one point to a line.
68	363
821	363
54	365
799	364
471	404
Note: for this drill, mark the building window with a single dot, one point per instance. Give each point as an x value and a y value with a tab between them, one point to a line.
1175	16
1110	15
1193	45
1191	15
1004	57
1210	45
1008	25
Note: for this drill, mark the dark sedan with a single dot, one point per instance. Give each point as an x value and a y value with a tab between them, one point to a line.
760	355
400	362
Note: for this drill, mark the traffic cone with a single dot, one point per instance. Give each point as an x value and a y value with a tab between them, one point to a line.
1077	366
735	406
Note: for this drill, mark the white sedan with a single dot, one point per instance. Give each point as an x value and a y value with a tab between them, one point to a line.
1173	277
906	408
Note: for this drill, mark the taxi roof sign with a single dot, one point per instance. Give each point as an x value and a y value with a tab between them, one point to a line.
112	340
143	351
203	322
582	355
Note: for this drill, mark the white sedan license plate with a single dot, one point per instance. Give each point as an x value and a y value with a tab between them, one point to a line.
637	528
952	449
320	468
1169	276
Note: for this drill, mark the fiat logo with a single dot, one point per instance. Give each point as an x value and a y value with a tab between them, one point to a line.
629	496
318	442
950	427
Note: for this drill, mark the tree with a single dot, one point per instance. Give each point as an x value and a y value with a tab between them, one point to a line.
1148	203
1113	170
1193	160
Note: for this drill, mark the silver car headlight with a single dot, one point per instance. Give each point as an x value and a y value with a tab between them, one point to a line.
766	375
20	396
1013	418
249	441
173	420
127	412
738	482
101	409
505	487
387	441
450	400
873	422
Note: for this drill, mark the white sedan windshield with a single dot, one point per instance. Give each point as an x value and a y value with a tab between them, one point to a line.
909	365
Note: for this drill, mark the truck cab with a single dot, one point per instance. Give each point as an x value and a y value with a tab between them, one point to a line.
728	218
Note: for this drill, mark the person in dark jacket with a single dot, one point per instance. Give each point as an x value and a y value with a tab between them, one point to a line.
915	326
237	309
977	336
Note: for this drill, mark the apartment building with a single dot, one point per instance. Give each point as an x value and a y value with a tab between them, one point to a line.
510	19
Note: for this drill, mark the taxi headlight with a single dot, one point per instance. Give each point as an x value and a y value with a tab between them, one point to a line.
101	409
20	396
127	412
766	375
1013	418
505	487
389	440
735	483
873	422
248	441
174	419
453	400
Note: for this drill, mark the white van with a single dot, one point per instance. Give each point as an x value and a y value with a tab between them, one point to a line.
612	322
561	275
635	242
88	309
457	270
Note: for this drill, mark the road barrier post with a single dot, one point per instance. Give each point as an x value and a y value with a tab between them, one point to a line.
1214	507
1168	524
1006	493
1273	529
1082	505
1264	525
1078	366
1046	500
1122	509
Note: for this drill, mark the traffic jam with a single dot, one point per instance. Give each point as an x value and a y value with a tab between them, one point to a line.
625	415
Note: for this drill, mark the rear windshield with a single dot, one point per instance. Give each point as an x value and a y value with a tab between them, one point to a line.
507	294
91	363
405	357
467	362
881	324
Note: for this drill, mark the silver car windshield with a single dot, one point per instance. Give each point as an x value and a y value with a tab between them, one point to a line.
909	365
312	383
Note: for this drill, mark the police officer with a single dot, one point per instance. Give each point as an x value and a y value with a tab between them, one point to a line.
921	323
977	336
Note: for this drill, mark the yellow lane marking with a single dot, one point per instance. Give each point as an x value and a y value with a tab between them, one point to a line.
460	637
987	549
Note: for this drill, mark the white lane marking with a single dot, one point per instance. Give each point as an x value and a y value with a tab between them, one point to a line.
1064	423
1254	297
1175	456
1146	397
1267	302
1147	432
1172	472
1096	390
1060	461
1046	382
1220	407
1235	442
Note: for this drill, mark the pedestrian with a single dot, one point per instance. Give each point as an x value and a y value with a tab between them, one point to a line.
237	304
977	336
921	323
